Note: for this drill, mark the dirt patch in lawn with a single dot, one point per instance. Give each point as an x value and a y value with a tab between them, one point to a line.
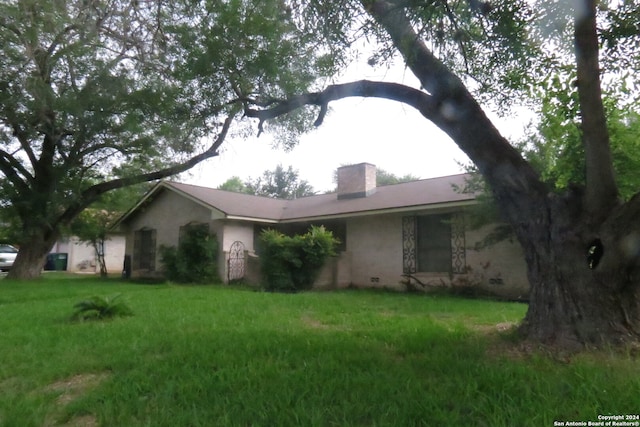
70	389
312	323
498	327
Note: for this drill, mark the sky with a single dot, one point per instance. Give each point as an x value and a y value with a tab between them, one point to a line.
390	135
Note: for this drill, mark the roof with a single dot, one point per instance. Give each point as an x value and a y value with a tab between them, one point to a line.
415	195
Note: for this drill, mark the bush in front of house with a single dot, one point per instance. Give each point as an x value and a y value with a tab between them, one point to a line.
195	258
292	263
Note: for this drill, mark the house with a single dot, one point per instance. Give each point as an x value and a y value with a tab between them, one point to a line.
412	232
73	255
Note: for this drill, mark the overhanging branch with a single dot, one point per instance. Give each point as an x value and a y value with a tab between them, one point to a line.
89	195
421	101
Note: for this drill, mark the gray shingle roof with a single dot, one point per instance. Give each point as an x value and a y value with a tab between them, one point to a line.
415	195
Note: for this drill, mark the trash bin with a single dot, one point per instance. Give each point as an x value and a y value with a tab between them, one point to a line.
56	262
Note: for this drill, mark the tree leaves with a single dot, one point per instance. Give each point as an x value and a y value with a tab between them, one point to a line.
279	184
98	95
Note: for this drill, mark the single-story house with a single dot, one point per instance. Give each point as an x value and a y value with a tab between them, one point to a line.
410	232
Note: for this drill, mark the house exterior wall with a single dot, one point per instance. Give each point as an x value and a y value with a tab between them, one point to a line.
114	249
374	246
168	212
336	273
237	231
375	255
81	256
500	268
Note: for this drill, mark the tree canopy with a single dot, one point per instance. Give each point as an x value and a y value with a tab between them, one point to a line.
553	143
279	183
99	95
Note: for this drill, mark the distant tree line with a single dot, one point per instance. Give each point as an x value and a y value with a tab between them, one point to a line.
282	183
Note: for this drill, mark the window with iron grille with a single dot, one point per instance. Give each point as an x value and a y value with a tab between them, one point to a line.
433	239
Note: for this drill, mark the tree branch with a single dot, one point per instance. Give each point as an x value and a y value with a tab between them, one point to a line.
601	188
428	105
462	118
91	194
421	101
10	167
20	134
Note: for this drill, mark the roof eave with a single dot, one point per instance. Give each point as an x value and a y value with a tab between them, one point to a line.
253	219
403	209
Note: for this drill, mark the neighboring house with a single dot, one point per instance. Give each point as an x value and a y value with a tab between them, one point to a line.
388	234
80	257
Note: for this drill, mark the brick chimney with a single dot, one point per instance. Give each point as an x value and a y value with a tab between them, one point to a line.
356	181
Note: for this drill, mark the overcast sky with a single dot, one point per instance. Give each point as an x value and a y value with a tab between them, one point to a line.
387	134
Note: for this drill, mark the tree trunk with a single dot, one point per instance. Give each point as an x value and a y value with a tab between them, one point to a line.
583	265
98	247
32	255
601	189
584	281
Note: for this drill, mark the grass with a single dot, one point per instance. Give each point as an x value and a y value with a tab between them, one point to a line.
221	356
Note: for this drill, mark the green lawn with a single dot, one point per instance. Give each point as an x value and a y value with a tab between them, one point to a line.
221	356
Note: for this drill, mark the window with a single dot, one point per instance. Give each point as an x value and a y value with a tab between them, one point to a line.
144	249
433	237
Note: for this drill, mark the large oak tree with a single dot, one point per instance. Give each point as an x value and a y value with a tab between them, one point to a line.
582	245
97	95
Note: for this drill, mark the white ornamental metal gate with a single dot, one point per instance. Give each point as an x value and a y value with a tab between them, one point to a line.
236	266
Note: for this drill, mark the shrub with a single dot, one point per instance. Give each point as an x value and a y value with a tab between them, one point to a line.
195	258
100	308
292	263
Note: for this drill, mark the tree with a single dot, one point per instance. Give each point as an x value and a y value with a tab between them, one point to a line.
93	225
387	178
279	184
235	185
581	245
98	95
554	147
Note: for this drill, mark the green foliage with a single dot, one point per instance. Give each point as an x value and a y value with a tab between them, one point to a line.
235	185
279	184
292	263
101	308
96	96
92	225
555	148
387	178
195	258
